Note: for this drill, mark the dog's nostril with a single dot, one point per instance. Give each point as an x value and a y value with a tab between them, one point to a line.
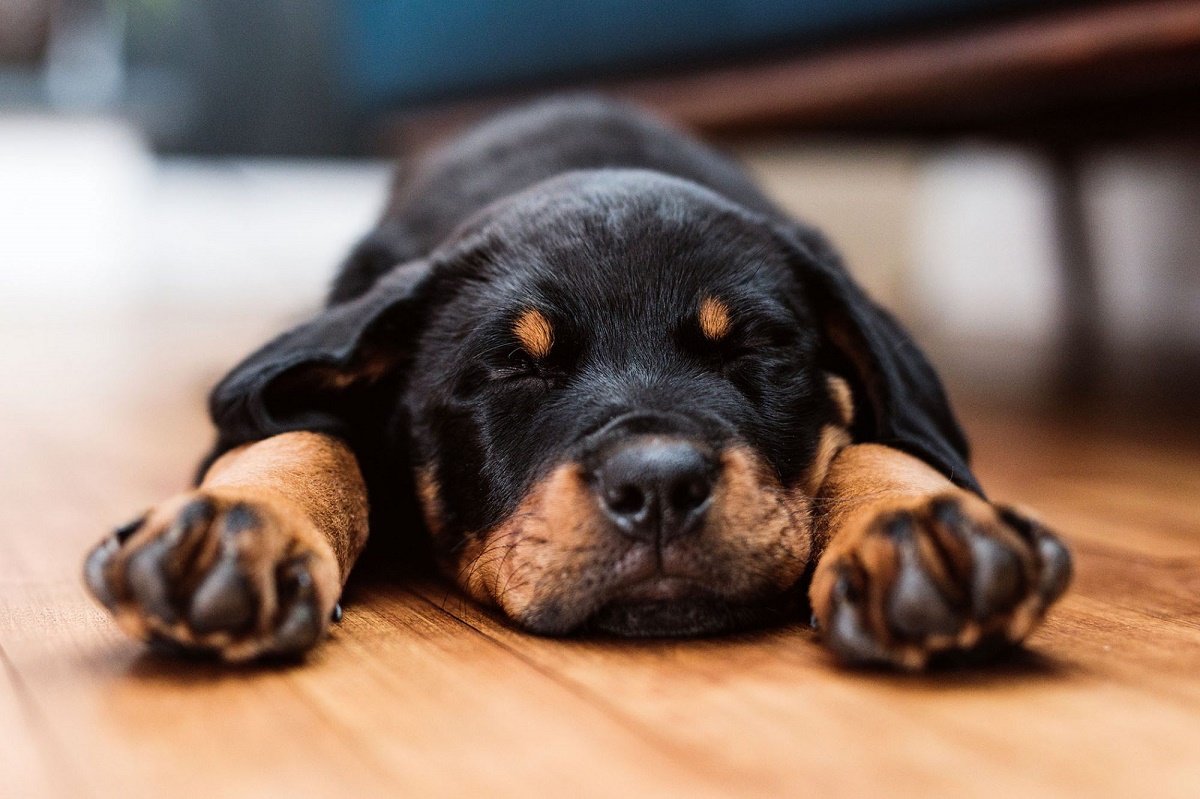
627	500
690	493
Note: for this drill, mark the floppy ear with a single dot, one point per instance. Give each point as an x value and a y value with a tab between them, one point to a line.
326	375
905	404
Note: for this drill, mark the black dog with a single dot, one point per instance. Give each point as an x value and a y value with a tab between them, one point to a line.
629	393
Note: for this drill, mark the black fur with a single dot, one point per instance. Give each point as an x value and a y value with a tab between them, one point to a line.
614	226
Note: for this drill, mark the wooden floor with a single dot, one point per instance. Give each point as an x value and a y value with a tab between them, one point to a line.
419	694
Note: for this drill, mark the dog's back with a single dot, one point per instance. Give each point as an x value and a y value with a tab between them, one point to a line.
519	149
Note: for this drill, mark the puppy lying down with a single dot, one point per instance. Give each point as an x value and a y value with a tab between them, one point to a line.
612	387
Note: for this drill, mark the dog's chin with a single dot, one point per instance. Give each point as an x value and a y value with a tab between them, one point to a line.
677	618
665	607
685	617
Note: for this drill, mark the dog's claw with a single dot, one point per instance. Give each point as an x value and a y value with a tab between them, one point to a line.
125	531
847	634
1056	568
146	580
94	570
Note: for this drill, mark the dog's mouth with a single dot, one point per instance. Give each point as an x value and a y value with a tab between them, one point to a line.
673	607
661	588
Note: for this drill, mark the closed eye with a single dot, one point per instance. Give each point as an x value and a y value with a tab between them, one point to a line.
750	338
772	335
517	365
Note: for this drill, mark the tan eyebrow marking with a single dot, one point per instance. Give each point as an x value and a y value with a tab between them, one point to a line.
534	332
714	318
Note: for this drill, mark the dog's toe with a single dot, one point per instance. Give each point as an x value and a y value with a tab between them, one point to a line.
916	607
302	622
147	581
224	602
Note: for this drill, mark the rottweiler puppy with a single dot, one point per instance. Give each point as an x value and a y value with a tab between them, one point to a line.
614	389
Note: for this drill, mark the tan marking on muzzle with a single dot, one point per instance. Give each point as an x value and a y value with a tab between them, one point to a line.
540	542
557	549
762	529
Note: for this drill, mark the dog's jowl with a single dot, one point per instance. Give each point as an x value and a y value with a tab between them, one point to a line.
613	389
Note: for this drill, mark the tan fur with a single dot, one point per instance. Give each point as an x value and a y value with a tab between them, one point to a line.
534	332
302	475
753	517
865	480
714	318
368	371
307	501
843	399
869	473
539	543
557	537
867	486
833	440
834	437
429	493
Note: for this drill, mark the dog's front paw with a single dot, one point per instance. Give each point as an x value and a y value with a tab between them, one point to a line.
935	575
219	571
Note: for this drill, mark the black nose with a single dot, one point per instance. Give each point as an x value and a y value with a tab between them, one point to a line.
656	489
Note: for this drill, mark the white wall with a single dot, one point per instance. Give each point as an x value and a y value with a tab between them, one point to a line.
89	220
986	268
960	241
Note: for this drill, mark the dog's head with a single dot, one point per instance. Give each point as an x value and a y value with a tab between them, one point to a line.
619	393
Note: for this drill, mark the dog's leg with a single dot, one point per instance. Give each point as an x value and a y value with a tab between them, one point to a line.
251	563
914	566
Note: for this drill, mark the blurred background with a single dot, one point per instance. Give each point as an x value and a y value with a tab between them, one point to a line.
1019	180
